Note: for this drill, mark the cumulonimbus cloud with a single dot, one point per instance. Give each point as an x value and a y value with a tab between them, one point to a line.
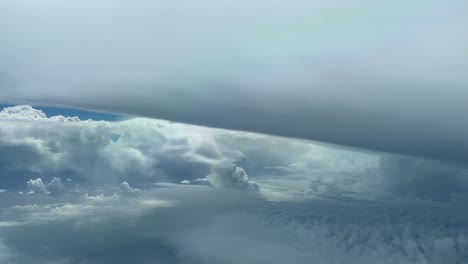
385	76
100	192
47	155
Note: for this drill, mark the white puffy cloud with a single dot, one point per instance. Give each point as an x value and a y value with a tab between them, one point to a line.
230	176
22	112
268	199
144	150
37	186
140	151
27	112
125	187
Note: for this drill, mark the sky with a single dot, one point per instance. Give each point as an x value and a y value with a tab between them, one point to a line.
149	190
233	131
391	74
71	112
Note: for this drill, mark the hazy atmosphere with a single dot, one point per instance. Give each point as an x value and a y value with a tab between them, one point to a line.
233	131
153	191
366	74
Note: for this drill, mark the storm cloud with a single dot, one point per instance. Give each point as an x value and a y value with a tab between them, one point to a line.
144	190
242	164
384	76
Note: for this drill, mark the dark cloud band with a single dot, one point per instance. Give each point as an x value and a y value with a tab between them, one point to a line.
383	76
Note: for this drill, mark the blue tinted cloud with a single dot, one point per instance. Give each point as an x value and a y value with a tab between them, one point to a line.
72	194
385	76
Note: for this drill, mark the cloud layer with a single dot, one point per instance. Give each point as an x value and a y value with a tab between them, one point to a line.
196	224
383	76
49	152
143	190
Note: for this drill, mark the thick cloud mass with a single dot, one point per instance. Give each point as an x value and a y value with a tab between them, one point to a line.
195	224
387	76
151	191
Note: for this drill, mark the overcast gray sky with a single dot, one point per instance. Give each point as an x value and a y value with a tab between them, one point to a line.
388	76
383	75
